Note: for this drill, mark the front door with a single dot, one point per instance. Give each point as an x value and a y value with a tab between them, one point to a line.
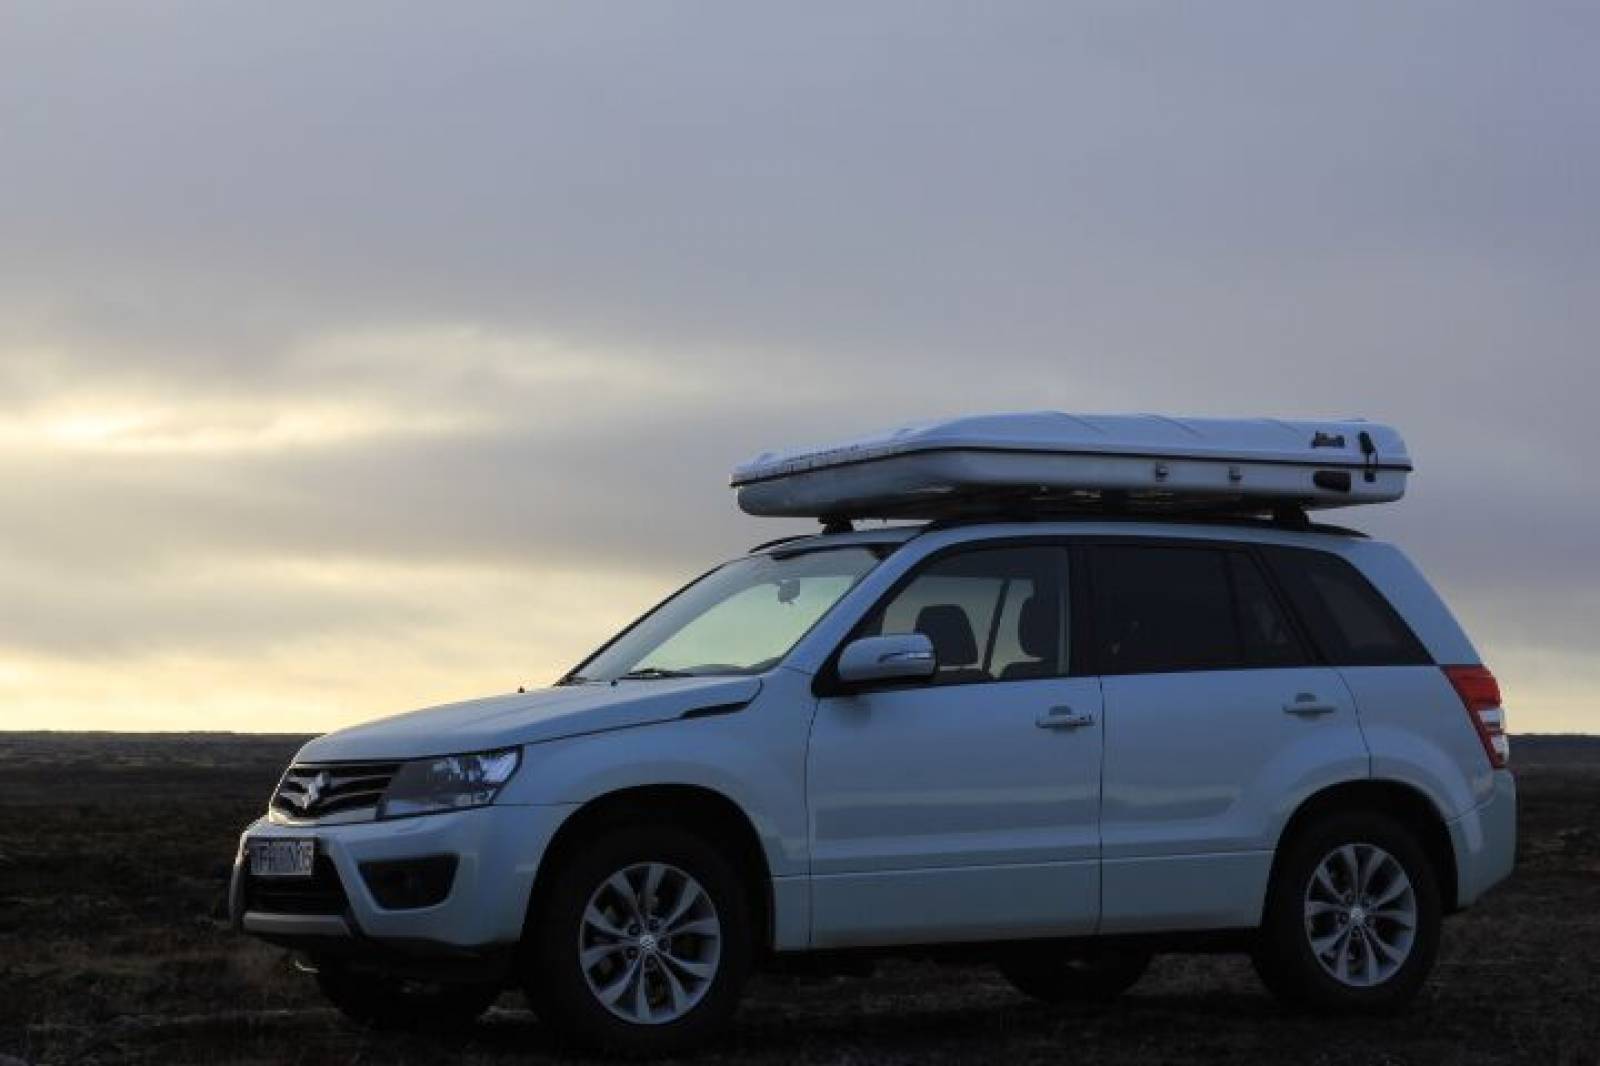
965	808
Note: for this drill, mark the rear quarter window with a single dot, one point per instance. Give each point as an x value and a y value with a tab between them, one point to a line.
1350	621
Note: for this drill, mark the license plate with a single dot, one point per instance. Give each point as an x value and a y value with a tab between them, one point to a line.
282	858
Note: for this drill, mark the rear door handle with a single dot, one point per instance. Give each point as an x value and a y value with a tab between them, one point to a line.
1063	718
1307	705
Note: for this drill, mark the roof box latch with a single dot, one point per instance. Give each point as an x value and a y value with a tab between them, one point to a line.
1369	457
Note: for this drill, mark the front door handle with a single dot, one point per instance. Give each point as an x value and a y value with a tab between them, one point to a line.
1307	705
1063	718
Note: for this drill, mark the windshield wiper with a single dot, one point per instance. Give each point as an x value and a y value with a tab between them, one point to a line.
575	679
652	673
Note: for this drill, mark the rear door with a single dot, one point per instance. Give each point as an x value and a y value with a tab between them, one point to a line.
965	808
1218	722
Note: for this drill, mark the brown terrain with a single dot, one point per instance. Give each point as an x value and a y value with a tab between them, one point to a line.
114	854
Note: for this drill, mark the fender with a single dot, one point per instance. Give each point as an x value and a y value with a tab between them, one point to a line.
754	756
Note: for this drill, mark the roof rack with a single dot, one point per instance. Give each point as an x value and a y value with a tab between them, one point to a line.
1026	506
1241	520
1027	502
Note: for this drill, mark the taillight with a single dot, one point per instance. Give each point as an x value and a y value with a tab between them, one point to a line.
1480	694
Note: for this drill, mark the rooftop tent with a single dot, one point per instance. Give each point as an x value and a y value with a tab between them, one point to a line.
1048	461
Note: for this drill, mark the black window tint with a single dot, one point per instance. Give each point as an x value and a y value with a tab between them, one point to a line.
1350	622
1266	634
1163	608
994	614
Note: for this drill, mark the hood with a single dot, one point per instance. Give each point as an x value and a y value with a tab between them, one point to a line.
527	718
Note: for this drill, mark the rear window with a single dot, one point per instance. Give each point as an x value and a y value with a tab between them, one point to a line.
1351	623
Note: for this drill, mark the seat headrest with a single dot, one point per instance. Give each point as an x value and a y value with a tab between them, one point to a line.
1037	624
946	625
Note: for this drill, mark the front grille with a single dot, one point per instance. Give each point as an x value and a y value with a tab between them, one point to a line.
318	790
321	893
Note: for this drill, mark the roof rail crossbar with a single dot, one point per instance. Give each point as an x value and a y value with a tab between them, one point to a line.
1240	520
1120	506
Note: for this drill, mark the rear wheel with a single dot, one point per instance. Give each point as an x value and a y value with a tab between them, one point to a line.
642	944
1056	976
379	1001
1352	917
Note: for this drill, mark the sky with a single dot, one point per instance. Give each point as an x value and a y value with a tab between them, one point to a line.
361	356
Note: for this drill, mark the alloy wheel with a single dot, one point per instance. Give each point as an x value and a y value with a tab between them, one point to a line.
1360	915
649	943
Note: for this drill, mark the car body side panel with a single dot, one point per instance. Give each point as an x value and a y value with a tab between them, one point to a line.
948	813
753	756
1420	735
791	913
1171	893
1208	762
953	904
1207	766
1485	840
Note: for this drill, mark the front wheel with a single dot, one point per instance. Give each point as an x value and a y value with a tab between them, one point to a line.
1057	976
1352	917
642	944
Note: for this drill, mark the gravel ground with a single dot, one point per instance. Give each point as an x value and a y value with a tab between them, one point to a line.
114	854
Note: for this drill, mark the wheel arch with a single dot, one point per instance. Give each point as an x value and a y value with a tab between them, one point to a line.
1394	799
695	807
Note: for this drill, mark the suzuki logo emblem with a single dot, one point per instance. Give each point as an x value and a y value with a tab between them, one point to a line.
314	789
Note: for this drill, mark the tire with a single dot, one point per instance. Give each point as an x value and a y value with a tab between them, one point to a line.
603	978
382	1002
1053	975
1330	944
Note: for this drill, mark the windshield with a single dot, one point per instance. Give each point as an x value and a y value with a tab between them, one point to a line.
741	618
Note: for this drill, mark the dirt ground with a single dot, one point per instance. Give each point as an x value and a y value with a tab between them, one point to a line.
114	854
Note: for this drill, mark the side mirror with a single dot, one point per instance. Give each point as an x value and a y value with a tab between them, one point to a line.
897	657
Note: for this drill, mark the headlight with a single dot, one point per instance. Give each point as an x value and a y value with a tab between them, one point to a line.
448	783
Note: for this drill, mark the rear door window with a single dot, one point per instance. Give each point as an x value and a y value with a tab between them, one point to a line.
1350	621
1162	608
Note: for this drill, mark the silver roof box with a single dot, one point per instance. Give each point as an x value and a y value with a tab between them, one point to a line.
1048	461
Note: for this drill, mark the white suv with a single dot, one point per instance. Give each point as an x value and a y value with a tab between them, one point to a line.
1060	745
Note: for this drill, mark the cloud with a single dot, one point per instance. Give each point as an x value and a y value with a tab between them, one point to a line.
449	299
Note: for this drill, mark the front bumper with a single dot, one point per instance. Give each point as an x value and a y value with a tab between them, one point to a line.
1485	841
478	923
